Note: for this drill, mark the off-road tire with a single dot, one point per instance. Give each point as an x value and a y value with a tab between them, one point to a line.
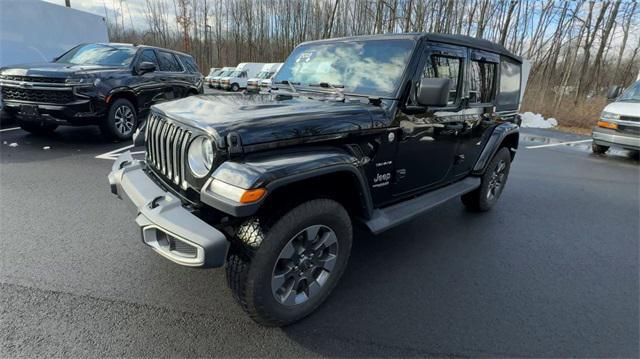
478	199
108	125
38	128
249	275
599	149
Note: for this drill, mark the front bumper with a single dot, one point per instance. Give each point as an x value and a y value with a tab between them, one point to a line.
609	137
225	85
79	112
167	227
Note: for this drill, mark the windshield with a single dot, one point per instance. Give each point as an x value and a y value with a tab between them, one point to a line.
223	73
99	54
213	72
371	67
262	75
632	94
235	74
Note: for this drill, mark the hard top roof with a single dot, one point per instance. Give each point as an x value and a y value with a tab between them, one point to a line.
461	40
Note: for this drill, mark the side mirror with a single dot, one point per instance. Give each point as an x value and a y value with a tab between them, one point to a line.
145	67
613	92
434	92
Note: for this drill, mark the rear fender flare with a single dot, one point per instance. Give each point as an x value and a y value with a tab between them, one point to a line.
501	134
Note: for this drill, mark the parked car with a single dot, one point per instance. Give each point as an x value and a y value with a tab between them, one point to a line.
237	80
374	130
619	124
105	84
215	80
212	72
23	23
267	72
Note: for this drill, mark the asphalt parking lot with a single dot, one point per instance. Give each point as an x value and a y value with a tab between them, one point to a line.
552	271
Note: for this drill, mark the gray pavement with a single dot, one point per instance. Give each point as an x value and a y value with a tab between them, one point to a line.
552	271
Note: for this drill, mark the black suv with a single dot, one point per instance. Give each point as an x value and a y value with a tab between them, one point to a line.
111	85
370	130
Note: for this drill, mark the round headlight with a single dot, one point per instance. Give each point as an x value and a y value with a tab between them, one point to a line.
200	156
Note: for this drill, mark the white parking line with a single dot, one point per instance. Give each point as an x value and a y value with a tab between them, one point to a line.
9	129
558	144
113	155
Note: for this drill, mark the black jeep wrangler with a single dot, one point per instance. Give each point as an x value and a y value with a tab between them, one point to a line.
110	85
373	130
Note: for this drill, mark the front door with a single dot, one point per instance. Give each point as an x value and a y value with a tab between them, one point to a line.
427	147
149	88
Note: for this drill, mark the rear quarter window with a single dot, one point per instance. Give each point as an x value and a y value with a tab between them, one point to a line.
190	64
510	82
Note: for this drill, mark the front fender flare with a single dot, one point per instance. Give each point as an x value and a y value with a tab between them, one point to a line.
281	169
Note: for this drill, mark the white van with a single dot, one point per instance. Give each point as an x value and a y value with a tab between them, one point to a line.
238	79
619	124
267	72
265	84
215	80
214	71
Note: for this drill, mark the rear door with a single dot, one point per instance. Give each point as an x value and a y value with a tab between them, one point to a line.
192	76
482	80
171	75
427	147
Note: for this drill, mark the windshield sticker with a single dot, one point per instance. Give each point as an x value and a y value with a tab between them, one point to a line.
305	57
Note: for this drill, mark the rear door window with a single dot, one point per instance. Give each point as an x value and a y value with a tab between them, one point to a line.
482	82
168	62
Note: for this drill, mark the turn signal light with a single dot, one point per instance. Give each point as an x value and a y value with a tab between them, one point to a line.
605	124
252	195
237	194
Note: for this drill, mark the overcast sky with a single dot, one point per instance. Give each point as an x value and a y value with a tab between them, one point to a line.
133	10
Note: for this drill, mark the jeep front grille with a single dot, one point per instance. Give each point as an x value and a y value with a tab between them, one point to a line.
166	145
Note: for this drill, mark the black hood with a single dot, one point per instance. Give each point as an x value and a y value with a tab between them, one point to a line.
263	118
55	69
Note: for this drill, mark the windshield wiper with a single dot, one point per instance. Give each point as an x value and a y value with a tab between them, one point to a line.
287	82
337	89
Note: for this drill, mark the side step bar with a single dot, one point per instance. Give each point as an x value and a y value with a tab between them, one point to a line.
388	217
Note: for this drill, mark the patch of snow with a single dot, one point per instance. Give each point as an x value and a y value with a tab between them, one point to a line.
535	120
46	148
13	144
